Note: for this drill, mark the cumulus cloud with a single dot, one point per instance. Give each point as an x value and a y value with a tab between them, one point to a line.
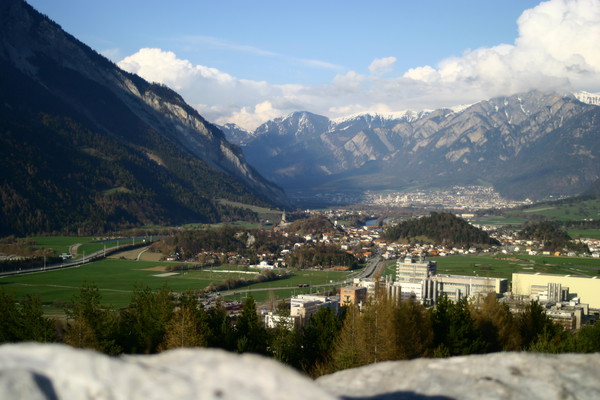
380	66
557	48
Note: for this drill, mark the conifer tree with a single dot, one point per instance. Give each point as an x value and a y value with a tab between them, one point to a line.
34	326
9	318
497	325
376	333
90	325
317	338
145	321
251	334
188	326
220	330
414	335
346	354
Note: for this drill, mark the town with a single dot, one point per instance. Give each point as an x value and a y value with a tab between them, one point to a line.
456	198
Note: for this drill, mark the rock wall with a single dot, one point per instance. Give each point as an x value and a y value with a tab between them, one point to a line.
36	371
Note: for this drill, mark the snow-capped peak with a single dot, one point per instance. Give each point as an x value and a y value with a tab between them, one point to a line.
408	115
588	98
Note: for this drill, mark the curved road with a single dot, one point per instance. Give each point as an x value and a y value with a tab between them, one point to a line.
373	266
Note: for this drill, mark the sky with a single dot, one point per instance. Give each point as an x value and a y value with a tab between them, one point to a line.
247	62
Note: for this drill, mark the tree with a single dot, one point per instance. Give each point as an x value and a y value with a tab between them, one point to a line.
9	318
497	325
587	340
220	331
34	326
188	326
251	334
145	320
455	331
285	344
376	332
89	325
533	322
345	353
317	339
414	335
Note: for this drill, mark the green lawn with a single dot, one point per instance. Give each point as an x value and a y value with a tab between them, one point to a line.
117	278
60	244
87	244
498	220
584	233
504	268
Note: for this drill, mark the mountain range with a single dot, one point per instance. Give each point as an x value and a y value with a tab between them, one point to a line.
88	147
530	145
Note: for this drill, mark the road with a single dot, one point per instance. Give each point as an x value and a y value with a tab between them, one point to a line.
374	265
72	264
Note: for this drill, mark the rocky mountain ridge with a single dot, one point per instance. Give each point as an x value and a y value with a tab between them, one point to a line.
91	132
527	145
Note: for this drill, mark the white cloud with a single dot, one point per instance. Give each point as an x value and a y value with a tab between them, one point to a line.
248	117
380	66
557	48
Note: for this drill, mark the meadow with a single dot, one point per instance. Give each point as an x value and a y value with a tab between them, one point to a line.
117	278
503	266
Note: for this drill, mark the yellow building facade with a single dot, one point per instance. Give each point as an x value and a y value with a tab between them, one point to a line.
586	289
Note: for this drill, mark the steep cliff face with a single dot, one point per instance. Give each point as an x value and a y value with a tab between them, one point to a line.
59	96
533	144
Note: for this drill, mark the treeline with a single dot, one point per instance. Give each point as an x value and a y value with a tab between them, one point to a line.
320	255
223	239
439	228
317	224
156	321
552	237
231	283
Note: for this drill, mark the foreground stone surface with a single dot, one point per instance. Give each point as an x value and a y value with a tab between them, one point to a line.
35	371
493	376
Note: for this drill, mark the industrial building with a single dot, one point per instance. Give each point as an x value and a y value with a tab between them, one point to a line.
558	288
419	279
409	270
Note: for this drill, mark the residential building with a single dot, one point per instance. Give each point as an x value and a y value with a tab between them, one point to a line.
353	295
304	306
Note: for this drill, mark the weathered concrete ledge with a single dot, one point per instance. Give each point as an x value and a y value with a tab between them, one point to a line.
491	376
36	371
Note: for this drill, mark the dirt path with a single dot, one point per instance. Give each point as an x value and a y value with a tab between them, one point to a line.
141	254
73	249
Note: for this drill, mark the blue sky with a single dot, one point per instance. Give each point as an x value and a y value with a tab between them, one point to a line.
249	61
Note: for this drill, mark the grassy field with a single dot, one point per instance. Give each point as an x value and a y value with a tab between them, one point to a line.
79	244
117	278
584	233
504	267
574	210
496	267
60	244
498	220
